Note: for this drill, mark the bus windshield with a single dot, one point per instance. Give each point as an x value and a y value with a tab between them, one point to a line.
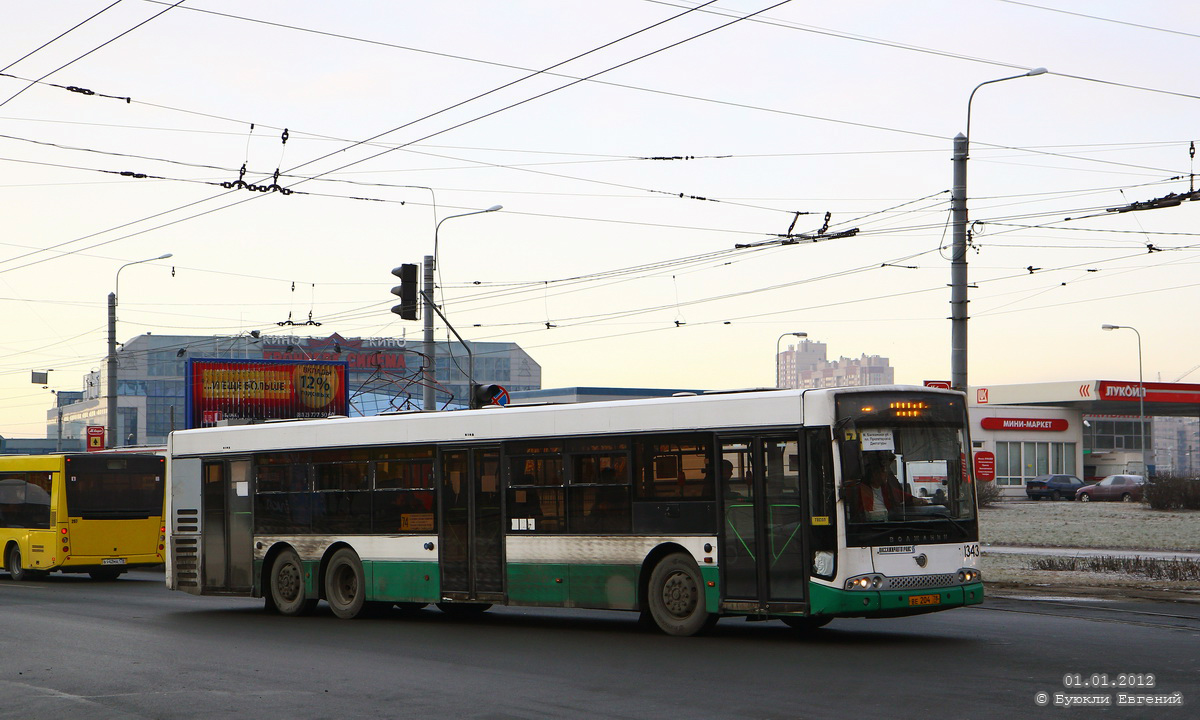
115	487
904	475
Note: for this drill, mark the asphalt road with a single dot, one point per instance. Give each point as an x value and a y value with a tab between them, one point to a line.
73	648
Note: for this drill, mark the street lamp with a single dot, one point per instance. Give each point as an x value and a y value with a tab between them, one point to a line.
429	400
1141	395
778	384
111	400
958	253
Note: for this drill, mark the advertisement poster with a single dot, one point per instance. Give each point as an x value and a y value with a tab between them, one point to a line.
255	390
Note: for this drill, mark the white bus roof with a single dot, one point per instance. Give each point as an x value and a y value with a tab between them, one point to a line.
668	414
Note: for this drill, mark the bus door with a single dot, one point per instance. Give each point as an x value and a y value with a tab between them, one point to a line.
228	526
471	558
763	562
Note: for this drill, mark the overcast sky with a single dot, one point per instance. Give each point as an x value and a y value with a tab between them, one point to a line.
634	145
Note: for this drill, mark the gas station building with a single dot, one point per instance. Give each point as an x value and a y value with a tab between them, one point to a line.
1087	428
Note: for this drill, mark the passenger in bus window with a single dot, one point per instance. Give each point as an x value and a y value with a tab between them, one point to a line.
880	492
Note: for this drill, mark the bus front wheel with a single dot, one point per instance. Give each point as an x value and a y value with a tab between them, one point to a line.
287	585
676	596
806	624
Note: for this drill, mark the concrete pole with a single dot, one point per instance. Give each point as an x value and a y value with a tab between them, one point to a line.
958	267
429	398
1146	449
111	400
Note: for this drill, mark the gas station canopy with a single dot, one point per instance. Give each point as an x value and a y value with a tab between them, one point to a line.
1098	397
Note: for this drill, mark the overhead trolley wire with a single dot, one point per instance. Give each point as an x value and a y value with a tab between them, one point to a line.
89	52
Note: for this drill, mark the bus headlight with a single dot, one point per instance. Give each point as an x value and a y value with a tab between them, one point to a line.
823	563
864	582
968	575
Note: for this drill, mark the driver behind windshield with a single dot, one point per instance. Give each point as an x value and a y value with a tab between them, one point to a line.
879	492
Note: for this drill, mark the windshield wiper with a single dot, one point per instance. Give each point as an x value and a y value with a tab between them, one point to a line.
958	526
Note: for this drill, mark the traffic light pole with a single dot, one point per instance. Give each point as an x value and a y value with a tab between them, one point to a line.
429	397
428	295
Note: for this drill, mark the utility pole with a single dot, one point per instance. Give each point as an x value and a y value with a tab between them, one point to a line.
958	267
429	379
111	400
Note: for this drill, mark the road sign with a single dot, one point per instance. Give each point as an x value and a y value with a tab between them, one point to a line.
944	384
985	466
95	437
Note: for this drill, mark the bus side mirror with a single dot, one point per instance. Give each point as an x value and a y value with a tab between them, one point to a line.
851	451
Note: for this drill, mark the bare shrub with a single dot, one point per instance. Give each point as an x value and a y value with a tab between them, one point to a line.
1177	569
988	493
1173	492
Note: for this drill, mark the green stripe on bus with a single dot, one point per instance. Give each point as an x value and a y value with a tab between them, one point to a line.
563	585
712	588
403	581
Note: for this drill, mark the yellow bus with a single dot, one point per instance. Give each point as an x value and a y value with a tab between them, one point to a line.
98	513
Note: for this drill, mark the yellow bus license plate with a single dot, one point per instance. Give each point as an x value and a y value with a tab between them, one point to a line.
924	599
112	561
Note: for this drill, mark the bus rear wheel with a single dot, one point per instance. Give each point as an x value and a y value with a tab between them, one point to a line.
287	585
345	584
676	597
12	563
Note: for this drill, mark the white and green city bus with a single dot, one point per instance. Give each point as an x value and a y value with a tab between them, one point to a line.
685	509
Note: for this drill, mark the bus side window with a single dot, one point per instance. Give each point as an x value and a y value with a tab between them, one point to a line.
25	500
822	502
674	467
37	500
598	485
536	492
12	500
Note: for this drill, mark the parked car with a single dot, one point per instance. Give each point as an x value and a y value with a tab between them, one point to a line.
1125	488
1055	487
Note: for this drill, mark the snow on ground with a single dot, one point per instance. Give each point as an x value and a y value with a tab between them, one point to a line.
1118	526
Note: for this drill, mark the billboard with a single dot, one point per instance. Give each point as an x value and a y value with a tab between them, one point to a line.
256	390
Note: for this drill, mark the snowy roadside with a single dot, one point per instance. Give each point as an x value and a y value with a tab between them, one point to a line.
1094	526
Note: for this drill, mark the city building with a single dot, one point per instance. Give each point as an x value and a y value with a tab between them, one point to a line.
382	374
805	365
1087	428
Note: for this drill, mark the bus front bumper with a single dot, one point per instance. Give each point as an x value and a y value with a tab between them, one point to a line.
892	603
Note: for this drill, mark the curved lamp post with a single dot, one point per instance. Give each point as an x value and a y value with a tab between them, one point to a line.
778	377
958	253
428	396
1141	396
111	400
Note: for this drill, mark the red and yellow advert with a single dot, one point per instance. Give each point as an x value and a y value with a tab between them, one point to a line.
254	390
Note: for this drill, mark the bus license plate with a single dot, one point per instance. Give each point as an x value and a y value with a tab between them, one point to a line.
112	561
925	600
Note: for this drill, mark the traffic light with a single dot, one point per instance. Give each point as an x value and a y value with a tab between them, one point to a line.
406	291
483	395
